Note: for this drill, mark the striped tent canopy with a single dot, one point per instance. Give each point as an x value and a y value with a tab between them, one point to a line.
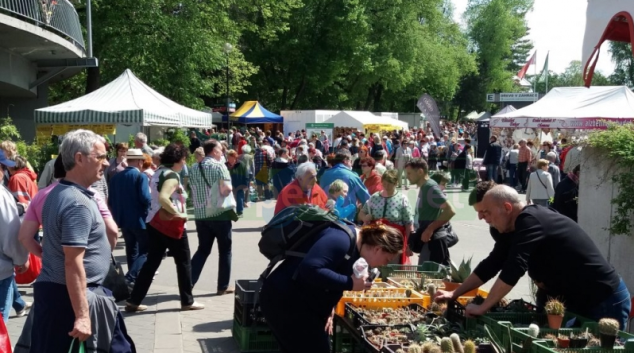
126	100
252	112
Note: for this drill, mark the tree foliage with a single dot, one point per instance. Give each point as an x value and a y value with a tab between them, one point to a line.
571	77
622	56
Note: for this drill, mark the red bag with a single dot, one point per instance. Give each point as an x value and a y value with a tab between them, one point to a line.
28	277
5	342
168	224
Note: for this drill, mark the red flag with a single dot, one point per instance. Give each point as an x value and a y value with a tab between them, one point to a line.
530	62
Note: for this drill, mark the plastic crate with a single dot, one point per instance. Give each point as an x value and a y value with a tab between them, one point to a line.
392	348
246	313
246	289
254	339
343	340
520	335
401	282
371	347
547	346
356	319
393	298
427	269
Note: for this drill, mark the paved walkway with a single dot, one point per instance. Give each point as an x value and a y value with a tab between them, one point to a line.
164	328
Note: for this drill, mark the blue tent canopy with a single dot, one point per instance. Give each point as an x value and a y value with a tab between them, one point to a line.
252	112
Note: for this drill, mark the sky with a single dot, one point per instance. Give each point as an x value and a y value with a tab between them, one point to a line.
556	26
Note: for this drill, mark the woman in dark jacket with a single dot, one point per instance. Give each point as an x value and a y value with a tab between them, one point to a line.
298	299
282	171
566	194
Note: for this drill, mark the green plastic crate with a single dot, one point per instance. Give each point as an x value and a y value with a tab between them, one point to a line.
520	335
254	339
549	347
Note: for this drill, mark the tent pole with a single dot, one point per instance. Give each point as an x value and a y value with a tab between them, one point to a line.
227	103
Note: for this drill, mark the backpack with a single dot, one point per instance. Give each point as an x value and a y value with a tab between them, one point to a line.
290	228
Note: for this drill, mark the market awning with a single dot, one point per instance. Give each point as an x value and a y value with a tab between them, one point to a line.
252	112
126	100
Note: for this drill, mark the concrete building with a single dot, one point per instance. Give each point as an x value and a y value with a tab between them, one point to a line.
41	42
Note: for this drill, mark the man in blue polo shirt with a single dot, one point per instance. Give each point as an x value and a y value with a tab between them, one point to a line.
357	193
129	202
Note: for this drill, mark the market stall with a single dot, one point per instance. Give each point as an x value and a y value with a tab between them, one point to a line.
365	121
573	108
398	315
124	106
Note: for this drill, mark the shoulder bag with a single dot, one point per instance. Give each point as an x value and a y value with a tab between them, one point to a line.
544	185
223	203
167	223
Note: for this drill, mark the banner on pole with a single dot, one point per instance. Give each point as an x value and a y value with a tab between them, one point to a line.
429	108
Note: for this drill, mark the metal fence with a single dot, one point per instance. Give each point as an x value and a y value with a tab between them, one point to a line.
58	16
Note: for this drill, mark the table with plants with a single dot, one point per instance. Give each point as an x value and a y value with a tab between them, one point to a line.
398	315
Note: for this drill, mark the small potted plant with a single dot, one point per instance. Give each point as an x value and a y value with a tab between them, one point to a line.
555	311
580	340
563	341
458	275
608	329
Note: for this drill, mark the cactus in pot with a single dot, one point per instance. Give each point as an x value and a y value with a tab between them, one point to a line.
469	347
446	345
608	330
555	311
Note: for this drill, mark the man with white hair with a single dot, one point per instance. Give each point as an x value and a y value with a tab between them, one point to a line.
553	169
140	141
303	190
558	255
69	299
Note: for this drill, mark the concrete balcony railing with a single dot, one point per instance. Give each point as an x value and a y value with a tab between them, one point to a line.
57	16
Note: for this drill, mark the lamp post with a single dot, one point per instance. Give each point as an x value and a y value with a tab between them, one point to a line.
227	49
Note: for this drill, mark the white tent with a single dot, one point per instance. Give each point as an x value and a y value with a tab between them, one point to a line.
126	100
471	116
573	108
605	20
359	119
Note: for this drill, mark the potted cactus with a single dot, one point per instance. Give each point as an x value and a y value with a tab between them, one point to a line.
555	311
608	329
458	275
563	341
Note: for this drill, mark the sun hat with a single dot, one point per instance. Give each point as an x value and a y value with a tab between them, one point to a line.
134	153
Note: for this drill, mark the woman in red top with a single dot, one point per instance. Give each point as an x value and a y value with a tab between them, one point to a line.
303	190
371	179
22	182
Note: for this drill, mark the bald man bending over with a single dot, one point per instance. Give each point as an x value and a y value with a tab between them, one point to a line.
558	255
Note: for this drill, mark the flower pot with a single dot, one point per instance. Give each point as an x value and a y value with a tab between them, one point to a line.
451	286
485	348
607	342
554	321
578	342
563	342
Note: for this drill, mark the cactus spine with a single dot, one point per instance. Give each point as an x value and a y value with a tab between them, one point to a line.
446	345
414	348
469	347
608	327
457	345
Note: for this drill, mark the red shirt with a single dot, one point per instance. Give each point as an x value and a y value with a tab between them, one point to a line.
292	194
372	183
240	145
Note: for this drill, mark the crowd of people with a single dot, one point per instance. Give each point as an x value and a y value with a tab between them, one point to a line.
93	190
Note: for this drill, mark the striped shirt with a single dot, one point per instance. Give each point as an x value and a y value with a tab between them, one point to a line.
205	198
71	218
525	155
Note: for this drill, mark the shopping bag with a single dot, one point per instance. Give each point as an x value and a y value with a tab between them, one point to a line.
28	277
116	282
5	343
82	347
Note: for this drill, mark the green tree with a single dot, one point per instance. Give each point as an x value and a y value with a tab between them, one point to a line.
621	53
572	77
497	29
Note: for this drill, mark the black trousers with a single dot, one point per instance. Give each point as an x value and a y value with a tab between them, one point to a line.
522	176
157	244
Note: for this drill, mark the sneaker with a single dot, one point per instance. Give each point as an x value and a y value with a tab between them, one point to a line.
133	308
226	291
22	312
193	306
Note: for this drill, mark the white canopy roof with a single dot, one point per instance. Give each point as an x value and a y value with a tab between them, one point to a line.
357	119
126	100
573	108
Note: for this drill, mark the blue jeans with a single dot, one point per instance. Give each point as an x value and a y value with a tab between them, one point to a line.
208	231
492	172
617	306
239	195
136	245
10	297
513	174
